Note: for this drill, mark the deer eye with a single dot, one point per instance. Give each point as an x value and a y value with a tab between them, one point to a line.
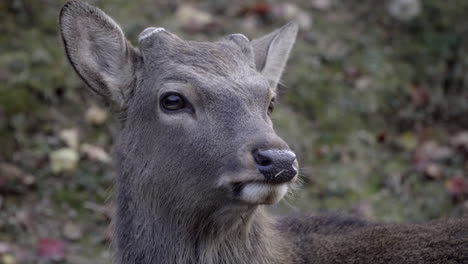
172	102
271	107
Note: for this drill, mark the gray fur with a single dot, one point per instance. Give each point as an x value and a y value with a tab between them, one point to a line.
172	206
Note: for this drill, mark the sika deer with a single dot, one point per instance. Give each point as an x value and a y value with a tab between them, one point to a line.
198	159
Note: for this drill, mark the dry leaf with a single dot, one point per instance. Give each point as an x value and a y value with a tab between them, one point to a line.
72	231
433	171
71	137
193	19
460	140
96	115
10	173
96	153
64	159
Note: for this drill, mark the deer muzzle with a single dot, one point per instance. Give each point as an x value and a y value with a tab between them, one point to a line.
277	166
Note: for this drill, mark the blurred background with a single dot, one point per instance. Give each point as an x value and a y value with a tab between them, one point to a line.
374	101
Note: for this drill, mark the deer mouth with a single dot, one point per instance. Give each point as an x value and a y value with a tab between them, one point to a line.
251	187
259	192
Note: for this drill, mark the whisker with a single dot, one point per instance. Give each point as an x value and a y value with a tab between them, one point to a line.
279	173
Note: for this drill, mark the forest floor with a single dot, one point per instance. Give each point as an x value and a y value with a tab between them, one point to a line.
374	102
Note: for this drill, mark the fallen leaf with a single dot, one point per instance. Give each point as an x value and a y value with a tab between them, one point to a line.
25	218
429	152
460	140
11	174
70	136
64	159
457	186
72	231
433	171
96	115
363	83
51	249
436	152
193	19
96	153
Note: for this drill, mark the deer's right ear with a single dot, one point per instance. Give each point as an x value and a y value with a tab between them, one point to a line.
99	52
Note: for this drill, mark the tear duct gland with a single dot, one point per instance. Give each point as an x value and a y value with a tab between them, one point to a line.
198	159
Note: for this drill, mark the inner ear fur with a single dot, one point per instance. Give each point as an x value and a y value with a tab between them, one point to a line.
272	51
99	52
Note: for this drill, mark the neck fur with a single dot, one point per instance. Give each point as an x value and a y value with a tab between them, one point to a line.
221	237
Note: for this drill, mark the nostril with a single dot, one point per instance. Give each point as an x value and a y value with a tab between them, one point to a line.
261	158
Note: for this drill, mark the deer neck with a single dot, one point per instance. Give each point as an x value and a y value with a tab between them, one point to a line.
166	237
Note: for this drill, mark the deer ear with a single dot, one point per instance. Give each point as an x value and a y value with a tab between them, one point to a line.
272	51
99	52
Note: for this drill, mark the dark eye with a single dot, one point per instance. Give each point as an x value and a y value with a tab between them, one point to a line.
172	102
271	107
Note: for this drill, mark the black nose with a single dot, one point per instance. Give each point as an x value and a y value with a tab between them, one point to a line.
276	165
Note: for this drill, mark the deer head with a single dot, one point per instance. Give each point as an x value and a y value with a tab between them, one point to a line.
197	142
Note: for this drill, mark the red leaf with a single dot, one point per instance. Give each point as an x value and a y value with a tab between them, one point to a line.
51	249
457	186
261	8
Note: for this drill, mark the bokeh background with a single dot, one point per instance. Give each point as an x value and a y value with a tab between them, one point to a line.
374	101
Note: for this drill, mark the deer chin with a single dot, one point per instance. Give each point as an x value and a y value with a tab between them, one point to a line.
262	192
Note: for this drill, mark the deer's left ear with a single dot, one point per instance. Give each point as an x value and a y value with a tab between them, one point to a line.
272	51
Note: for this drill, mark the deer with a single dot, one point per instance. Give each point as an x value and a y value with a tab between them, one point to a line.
199	162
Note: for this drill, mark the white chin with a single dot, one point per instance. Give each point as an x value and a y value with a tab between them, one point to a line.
263	193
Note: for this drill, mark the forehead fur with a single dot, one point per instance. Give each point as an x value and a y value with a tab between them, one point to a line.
224	58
